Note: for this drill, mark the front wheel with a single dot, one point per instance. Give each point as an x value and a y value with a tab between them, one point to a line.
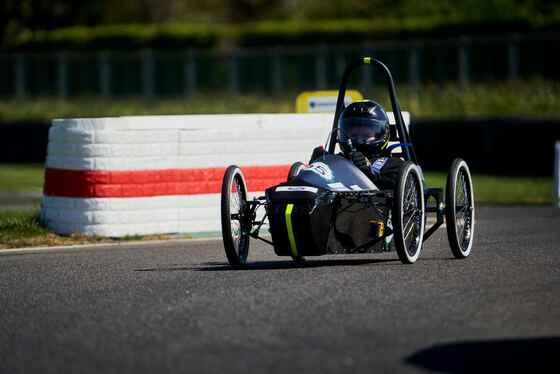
295	169
236	222
459	209
408	213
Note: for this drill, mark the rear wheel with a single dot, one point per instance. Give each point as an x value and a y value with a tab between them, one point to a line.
296	168
459	209
236	223
408	213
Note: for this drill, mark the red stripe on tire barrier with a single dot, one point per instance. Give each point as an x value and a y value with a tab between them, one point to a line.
144	183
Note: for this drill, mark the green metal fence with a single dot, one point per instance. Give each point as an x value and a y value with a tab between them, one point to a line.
151	74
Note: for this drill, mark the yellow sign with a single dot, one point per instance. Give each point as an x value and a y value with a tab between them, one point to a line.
323	101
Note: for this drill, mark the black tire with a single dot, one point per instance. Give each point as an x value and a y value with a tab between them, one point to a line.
408	213
235	221
296	168
459	208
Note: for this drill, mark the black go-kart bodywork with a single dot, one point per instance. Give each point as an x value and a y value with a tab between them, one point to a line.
331	207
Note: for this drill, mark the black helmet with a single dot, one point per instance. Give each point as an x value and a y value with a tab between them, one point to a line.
367	125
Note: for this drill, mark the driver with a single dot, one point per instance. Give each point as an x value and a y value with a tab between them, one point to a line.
363	135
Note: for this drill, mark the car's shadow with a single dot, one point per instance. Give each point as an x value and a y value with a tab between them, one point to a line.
526	355
290	264
273	265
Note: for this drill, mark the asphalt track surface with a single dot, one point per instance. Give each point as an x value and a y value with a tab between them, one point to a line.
177	307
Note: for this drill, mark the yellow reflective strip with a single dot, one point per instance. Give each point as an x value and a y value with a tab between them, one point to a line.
289	208
387	142
367	60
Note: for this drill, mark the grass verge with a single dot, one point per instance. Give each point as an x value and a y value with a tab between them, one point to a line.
536	97
21	177
20	229
503	190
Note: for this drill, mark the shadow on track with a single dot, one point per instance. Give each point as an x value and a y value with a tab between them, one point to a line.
285	264
531	355
271	265
281	265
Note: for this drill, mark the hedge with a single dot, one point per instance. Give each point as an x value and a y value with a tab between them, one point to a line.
162	37
271	33
119	37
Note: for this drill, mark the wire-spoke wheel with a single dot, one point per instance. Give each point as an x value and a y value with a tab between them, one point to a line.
408	213
236	223
459	209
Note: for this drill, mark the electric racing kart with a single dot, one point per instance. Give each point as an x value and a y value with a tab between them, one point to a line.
331	207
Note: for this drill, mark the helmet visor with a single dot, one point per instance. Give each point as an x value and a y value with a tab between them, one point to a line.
361	130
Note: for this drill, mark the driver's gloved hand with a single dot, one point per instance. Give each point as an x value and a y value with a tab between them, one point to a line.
317	153
361	162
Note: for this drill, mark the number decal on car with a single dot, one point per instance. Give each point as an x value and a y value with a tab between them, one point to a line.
323	170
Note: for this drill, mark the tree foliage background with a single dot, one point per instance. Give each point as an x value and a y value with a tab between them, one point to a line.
28	16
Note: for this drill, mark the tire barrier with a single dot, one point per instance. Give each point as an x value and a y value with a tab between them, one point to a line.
162	174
